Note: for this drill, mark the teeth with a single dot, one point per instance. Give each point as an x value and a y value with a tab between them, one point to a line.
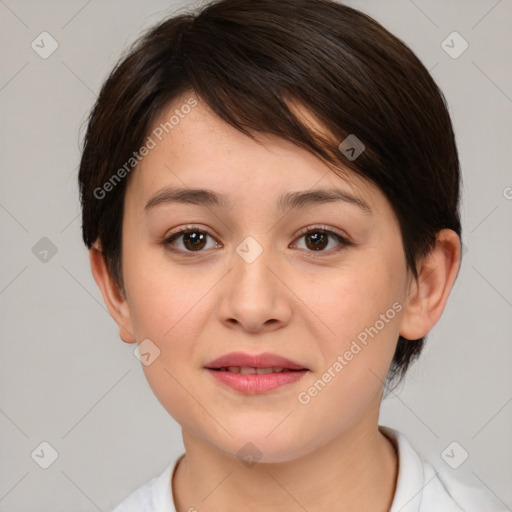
247	370
263	371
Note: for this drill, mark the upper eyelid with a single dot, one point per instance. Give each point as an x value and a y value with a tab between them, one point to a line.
320	227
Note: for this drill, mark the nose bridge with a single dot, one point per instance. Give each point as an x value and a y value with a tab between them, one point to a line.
254	298
250	250
253	255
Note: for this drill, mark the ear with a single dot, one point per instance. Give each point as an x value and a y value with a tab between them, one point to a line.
427	295
112	295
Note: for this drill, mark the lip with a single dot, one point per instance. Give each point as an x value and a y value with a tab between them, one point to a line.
255	383
264	360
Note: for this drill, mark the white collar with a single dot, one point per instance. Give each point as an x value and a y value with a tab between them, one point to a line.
411	476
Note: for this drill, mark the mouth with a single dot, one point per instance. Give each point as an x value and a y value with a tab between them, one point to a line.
248	370
248	362
255	373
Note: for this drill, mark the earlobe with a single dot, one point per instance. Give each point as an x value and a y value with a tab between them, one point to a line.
112	295
429	293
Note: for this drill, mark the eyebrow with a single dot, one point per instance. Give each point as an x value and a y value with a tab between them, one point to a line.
288	200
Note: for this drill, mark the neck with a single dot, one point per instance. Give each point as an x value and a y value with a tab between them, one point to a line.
355	471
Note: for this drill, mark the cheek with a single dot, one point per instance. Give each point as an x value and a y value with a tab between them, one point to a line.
361	310
170	308
358	310
351	298
171	311
160	294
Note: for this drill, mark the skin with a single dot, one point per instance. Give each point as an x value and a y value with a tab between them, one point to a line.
302	304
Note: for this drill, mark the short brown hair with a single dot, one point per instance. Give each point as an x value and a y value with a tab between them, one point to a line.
247	59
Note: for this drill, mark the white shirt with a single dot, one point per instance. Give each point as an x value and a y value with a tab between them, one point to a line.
420	488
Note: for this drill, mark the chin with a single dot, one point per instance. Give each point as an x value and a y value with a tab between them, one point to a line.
259	446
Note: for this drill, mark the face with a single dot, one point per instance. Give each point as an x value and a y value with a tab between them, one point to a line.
316	279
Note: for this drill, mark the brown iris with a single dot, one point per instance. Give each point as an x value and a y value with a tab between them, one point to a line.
319	240
194	240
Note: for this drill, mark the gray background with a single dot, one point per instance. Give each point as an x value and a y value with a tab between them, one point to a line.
67	379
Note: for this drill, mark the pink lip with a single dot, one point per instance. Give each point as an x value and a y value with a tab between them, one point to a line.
254	383
264	360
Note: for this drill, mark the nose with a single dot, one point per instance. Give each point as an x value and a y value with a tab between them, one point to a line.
254	297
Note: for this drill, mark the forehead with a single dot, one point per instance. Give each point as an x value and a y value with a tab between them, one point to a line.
194	148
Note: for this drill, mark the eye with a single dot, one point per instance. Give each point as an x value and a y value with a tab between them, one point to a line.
317	239
192	240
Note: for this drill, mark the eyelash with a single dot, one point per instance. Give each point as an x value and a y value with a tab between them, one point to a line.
344	242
